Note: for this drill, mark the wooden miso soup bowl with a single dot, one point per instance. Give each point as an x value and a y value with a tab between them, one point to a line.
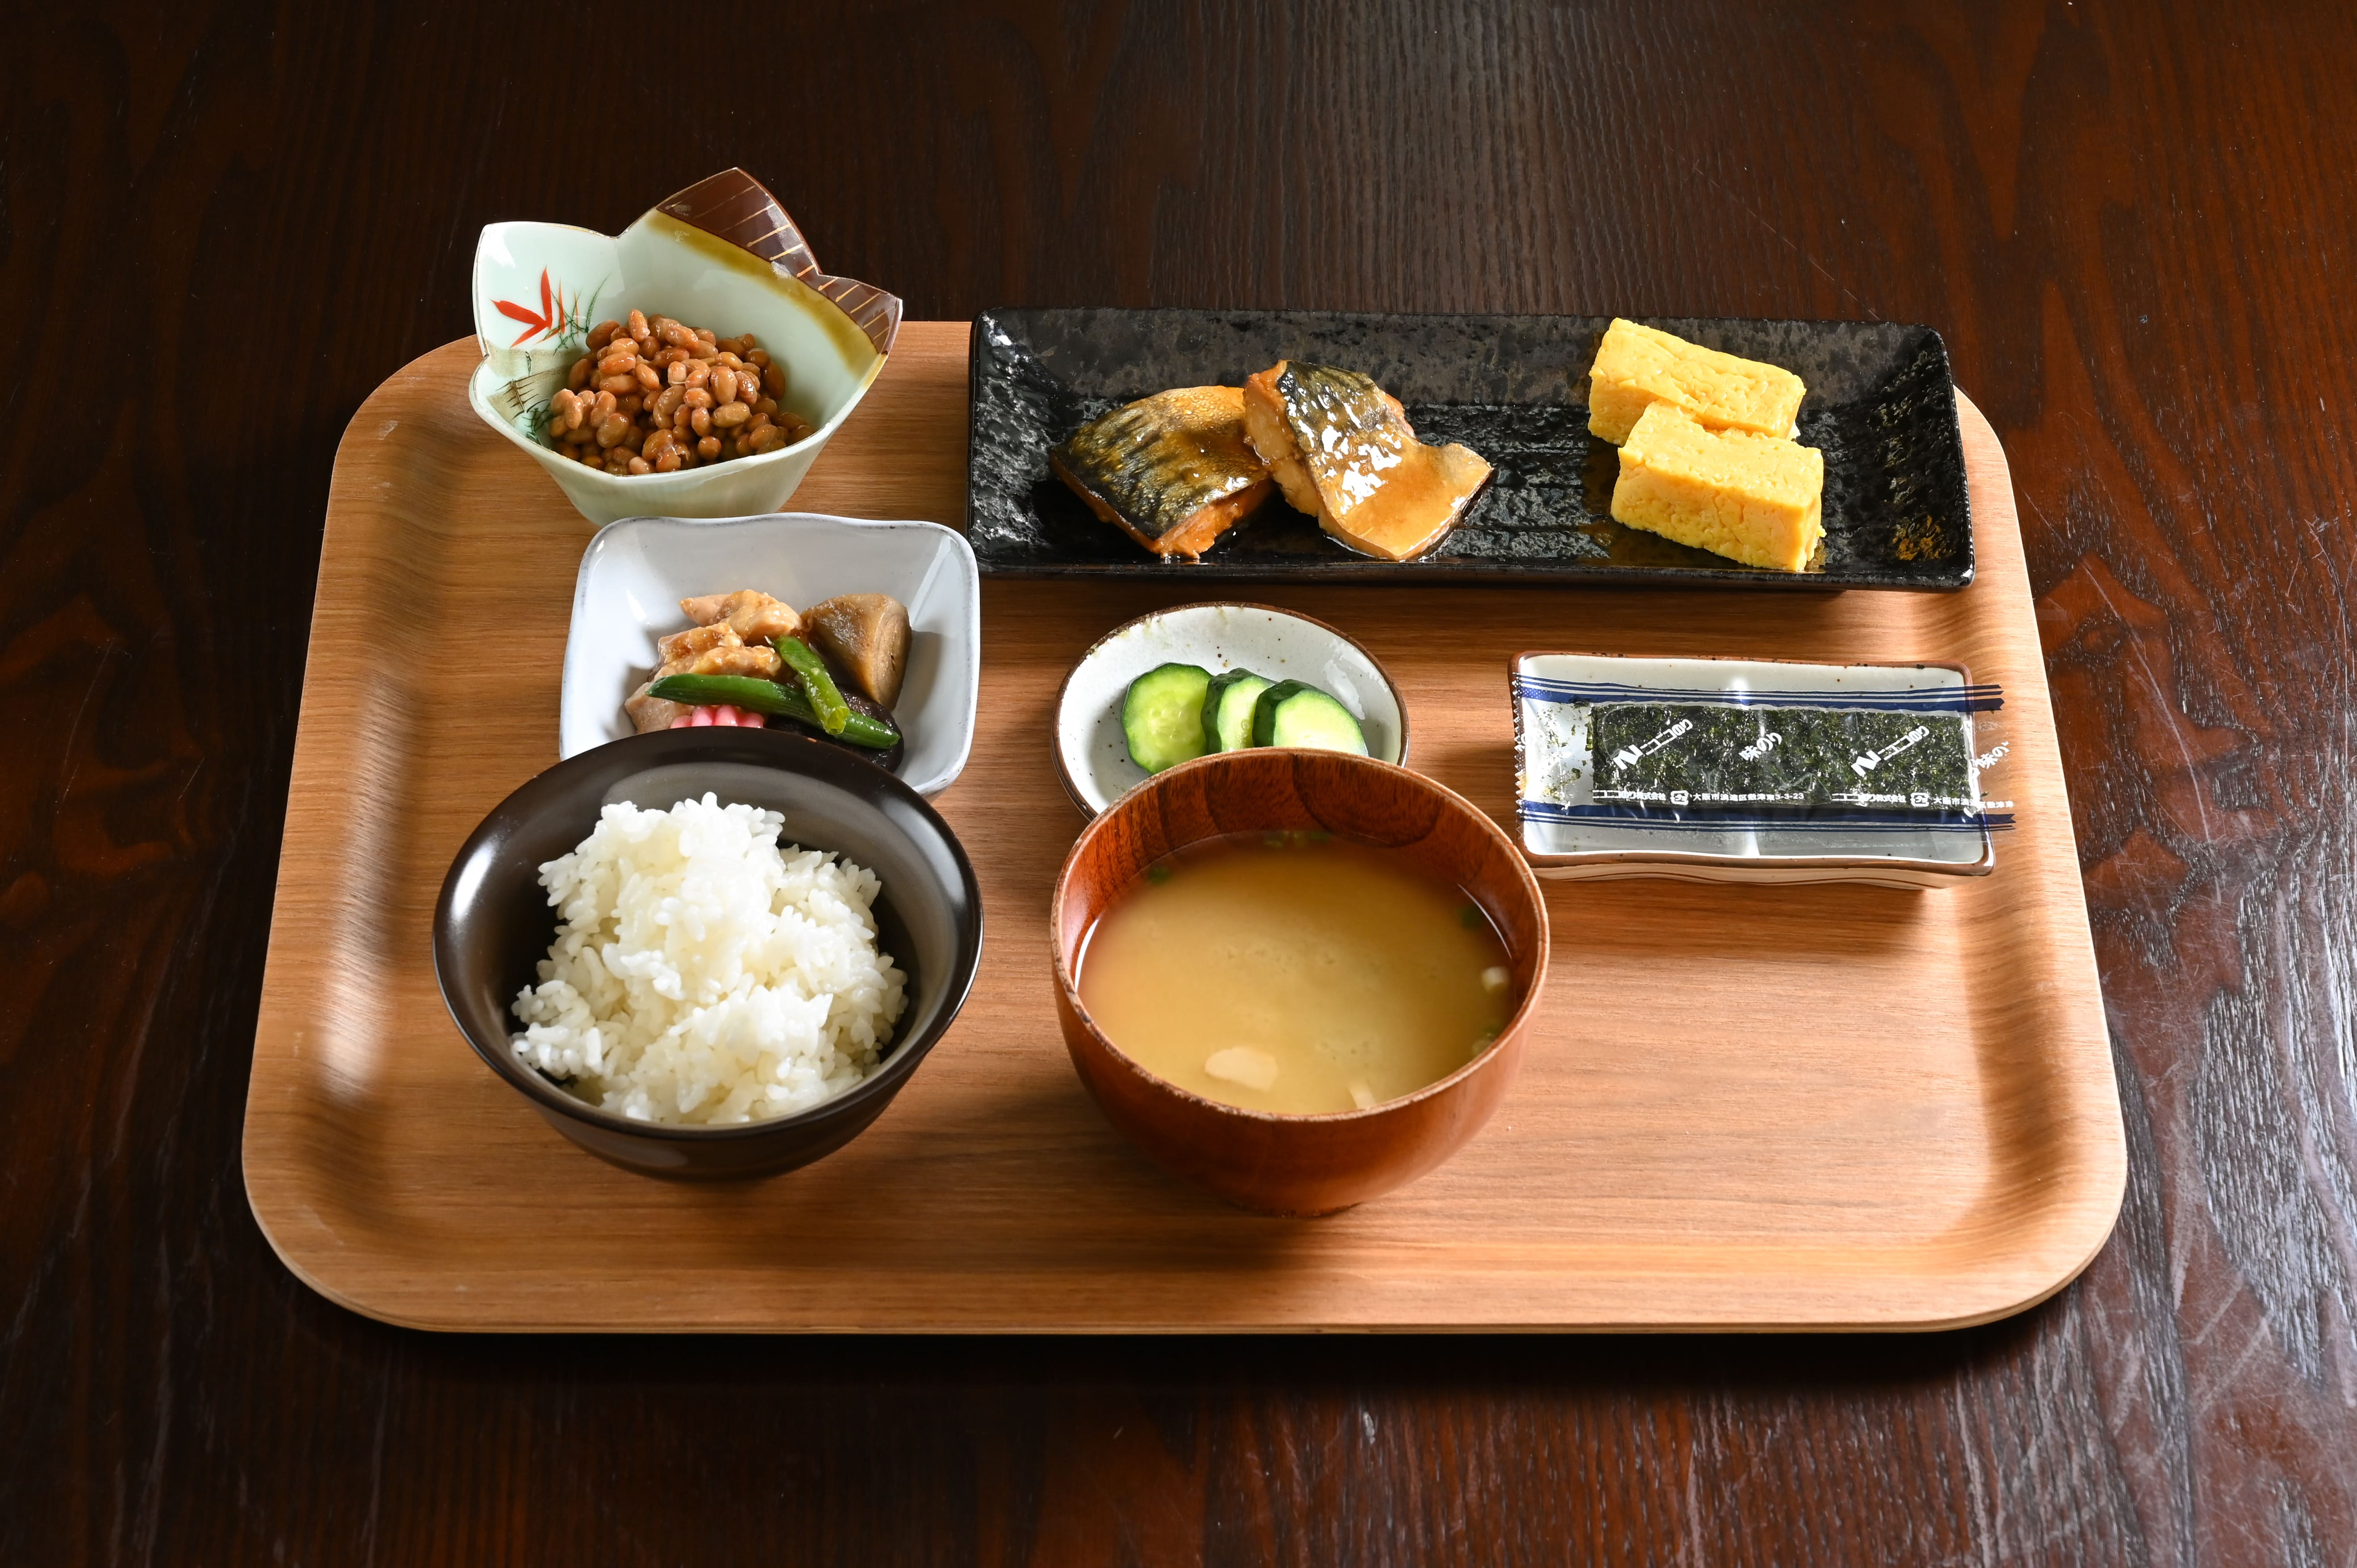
1257	1159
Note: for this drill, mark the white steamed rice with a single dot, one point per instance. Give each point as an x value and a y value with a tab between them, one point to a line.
702	975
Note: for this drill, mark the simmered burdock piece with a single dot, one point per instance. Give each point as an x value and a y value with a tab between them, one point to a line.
1173	471
754	615
866	636
1341	449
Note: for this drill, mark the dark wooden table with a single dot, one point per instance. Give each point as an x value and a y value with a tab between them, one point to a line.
223	224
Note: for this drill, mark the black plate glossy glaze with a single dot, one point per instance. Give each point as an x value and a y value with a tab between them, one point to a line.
493	923
1880	406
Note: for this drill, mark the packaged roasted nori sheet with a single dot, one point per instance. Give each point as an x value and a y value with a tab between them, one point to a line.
1722	755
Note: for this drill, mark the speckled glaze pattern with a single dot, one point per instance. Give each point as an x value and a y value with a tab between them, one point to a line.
1881	406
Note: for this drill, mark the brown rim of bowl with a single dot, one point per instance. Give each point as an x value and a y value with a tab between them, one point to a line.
1063	775
1069	986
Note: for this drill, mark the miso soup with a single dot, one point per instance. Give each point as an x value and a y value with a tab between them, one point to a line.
1296	972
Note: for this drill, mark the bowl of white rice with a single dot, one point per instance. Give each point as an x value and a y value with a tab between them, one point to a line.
708	952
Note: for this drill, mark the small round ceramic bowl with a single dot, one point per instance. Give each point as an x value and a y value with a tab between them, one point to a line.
493	924
1255	1159
1092	756
723	255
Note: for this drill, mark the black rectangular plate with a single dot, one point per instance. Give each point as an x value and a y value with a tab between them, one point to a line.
1880	406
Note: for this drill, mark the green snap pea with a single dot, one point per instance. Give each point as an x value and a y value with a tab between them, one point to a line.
825	697
756	695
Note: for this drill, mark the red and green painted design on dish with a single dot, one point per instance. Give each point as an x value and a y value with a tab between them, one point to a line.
557	318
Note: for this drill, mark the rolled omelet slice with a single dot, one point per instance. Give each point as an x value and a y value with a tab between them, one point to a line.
1755	498
1637	367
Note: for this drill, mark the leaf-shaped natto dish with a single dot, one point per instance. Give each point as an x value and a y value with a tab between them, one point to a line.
721	254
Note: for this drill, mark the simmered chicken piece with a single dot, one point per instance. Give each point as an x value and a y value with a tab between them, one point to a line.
763	662
715	649
682	646
754	615
712	649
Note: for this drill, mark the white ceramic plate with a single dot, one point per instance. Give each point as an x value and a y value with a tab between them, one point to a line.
1091	755
636	572
1565	834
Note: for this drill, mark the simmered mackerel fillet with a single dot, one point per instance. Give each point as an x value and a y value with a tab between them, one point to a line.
1343	450
1172	471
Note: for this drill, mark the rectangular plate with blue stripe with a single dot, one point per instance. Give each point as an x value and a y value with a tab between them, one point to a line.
1569	831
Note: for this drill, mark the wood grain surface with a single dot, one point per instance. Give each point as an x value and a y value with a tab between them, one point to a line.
2132	221
1827	1106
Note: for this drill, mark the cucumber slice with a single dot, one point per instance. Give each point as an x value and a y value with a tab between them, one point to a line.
1293	712
1228	710
1162	715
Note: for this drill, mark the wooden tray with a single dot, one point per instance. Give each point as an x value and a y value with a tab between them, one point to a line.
1746	1107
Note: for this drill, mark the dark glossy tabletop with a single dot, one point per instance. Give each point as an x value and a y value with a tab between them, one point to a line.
222	225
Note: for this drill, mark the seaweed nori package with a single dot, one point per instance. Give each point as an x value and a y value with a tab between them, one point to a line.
1719	755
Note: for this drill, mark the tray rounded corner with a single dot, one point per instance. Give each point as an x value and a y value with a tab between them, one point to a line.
263	1198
